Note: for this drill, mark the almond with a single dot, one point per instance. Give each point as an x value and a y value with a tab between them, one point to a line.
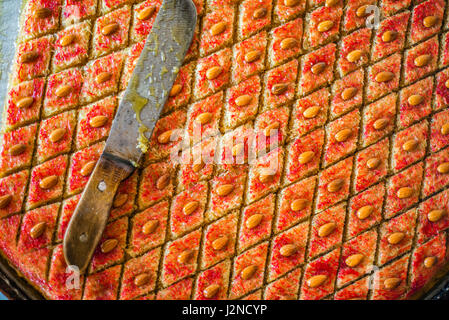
279	88
218	28
142	279
150	226
415	99
410	145
445	129
289	43
384	76
87	169
396	237
213	72
48	182
389	36
220	243
175	90
254	220
164	137
325	25
311	112
436	215
318	68
335	185
348	93
354	260
110	29
343	135
266	175
291	3
243	100
57	134
271	129
42	13
204	118
429	262
225	189
354	55
163	181
364	212
197	167
103	77
146	13
332	3
326	229
306	157
430	21
392	283
120	199
288	250
17	149
211	291
253	56
316	281
381	123
443	168
67	40
38	230
373	163
238	149
260	13
190	207
299	204
5	200
109	245
29	57
405	192
63	91
423	60
98	121
25	102
361	11
186	256
248	272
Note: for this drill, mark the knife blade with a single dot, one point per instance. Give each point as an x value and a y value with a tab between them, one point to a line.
146	94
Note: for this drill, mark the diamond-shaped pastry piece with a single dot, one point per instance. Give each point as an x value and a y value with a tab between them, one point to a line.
439	138
409	145
179	291
286	42
390	282
280	85
55	135
421	60
383	77
13	189
156	183
295	203
371	165
46	182
248	271
415	102
347	93
180	258
39	17
396	236
34	265
71	46
75	179
16	149
253	17
403	189
217	30
357	257
256	222
140	275
103	285
436	175
442	90
355	51
317	69
144	15
181	90
285	288
235	149
315	106
327	230
74	11
187	210
342	137
28	93
38	227
319	276
355	291
271	129
390	36
285	11
357	14
288	250
249	57
68	208
390	7
421	28
219	240
435	209
111	248
111	31
323	25
379	119
365	210
212	284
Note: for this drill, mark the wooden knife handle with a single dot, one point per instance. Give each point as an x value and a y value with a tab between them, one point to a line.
91	214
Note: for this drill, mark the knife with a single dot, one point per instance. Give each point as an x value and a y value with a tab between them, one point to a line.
146	94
